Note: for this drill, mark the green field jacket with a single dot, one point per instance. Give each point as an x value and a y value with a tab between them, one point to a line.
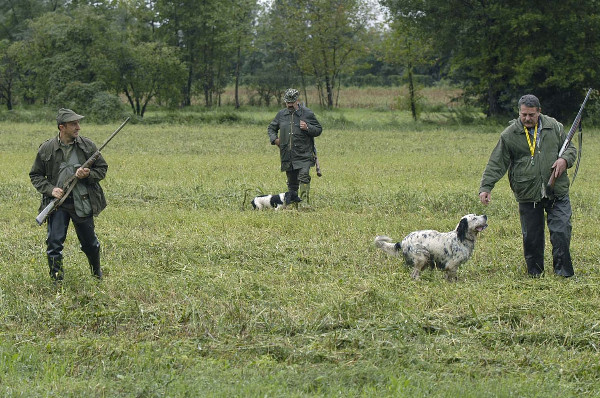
295	145
512	154
45	170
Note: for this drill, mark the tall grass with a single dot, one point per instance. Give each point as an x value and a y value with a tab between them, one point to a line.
201	298
376	98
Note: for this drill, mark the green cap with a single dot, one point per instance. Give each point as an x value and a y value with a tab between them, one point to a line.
291	95
66	115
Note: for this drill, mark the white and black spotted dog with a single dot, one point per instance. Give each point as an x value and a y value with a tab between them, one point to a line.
445	250
277	201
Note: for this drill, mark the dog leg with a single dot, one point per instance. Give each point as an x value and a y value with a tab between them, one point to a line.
416	274
451	272
420	264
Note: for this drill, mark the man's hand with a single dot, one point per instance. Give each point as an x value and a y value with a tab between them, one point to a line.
276	142
485	197
82	173
303	125
57	192
559	167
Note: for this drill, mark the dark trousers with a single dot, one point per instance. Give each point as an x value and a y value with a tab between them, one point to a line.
558	215
296	177
58	224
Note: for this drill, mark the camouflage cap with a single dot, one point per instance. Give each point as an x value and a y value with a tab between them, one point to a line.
291	95
66	115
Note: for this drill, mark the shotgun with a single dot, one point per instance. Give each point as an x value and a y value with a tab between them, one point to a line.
72	181
576	122
317	165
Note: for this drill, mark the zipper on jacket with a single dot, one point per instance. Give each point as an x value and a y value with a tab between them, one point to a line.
291	131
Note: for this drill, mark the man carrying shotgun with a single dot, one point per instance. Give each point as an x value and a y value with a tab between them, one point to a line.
529	150
57	160
293	130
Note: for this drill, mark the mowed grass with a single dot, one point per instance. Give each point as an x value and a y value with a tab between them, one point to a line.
204	297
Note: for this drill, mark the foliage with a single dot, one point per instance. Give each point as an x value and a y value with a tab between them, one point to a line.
407	46
208	33
326	38
149	70
494	51
91	100
8	74
202	299
503	50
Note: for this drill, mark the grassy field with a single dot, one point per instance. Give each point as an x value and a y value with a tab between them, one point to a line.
204	297
362	97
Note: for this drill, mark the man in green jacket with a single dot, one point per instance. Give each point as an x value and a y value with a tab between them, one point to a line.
528	149
58	159
297	127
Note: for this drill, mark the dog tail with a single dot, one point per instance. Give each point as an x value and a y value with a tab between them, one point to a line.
385	243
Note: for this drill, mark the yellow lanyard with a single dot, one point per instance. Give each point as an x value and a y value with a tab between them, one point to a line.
531	144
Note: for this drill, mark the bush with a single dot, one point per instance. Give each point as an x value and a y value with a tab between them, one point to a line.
91	100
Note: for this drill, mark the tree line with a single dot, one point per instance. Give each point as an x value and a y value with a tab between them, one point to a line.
176	53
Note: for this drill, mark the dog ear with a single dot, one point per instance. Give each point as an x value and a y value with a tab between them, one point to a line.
461	230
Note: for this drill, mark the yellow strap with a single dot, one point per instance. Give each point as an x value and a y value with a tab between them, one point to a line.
531	145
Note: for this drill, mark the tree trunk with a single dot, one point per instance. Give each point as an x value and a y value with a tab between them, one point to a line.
411	92
237	76
492	101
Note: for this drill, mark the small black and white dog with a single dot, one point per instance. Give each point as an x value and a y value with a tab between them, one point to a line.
278	201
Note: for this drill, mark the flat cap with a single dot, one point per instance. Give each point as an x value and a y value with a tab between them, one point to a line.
66	115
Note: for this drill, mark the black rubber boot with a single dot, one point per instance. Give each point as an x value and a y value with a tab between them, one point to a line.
56	269
94	260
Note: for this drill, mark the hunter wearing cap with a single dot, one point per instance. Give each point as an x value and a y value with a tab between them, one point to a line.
58	159
293	130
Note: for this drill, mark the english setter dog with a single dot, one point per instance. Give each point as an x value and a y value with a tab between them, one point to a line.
446	250
278	201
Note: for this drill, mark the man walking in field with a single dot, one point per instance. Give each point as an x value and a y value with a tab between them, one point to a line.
58	159
293	130
528	149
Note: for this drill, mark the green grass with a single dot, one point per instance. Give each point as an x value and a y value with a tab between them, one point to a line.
201	298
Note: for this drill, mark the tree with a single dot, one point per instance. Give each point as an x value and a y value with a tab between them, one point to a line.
405	45
323	36
270	68
205	32
145	71
500	49
8	73
60	48
244	14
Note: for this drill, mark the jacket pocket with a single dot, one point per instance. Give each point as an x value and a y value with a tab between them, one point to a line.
97	198
525	187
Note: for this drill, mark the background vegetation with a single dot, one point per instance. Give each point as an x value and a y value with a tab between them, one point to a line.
92	55
202	298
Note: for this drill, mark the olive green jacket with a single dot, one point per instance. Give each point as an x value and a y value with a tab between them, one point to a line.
295	145
512	154
45	170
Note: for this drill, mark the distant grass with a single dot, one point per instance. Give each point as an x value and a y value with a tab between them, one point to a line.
201	298
374	98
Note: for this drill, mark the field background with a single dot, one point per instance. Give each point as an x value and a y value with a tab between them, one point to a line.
204	297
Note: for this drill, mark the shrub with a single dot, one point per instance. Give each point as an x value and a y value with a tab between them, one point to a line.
91	100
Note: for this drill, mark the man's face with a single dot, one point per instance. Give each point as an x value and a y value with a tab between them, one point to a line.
69	131
529	116
291	105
